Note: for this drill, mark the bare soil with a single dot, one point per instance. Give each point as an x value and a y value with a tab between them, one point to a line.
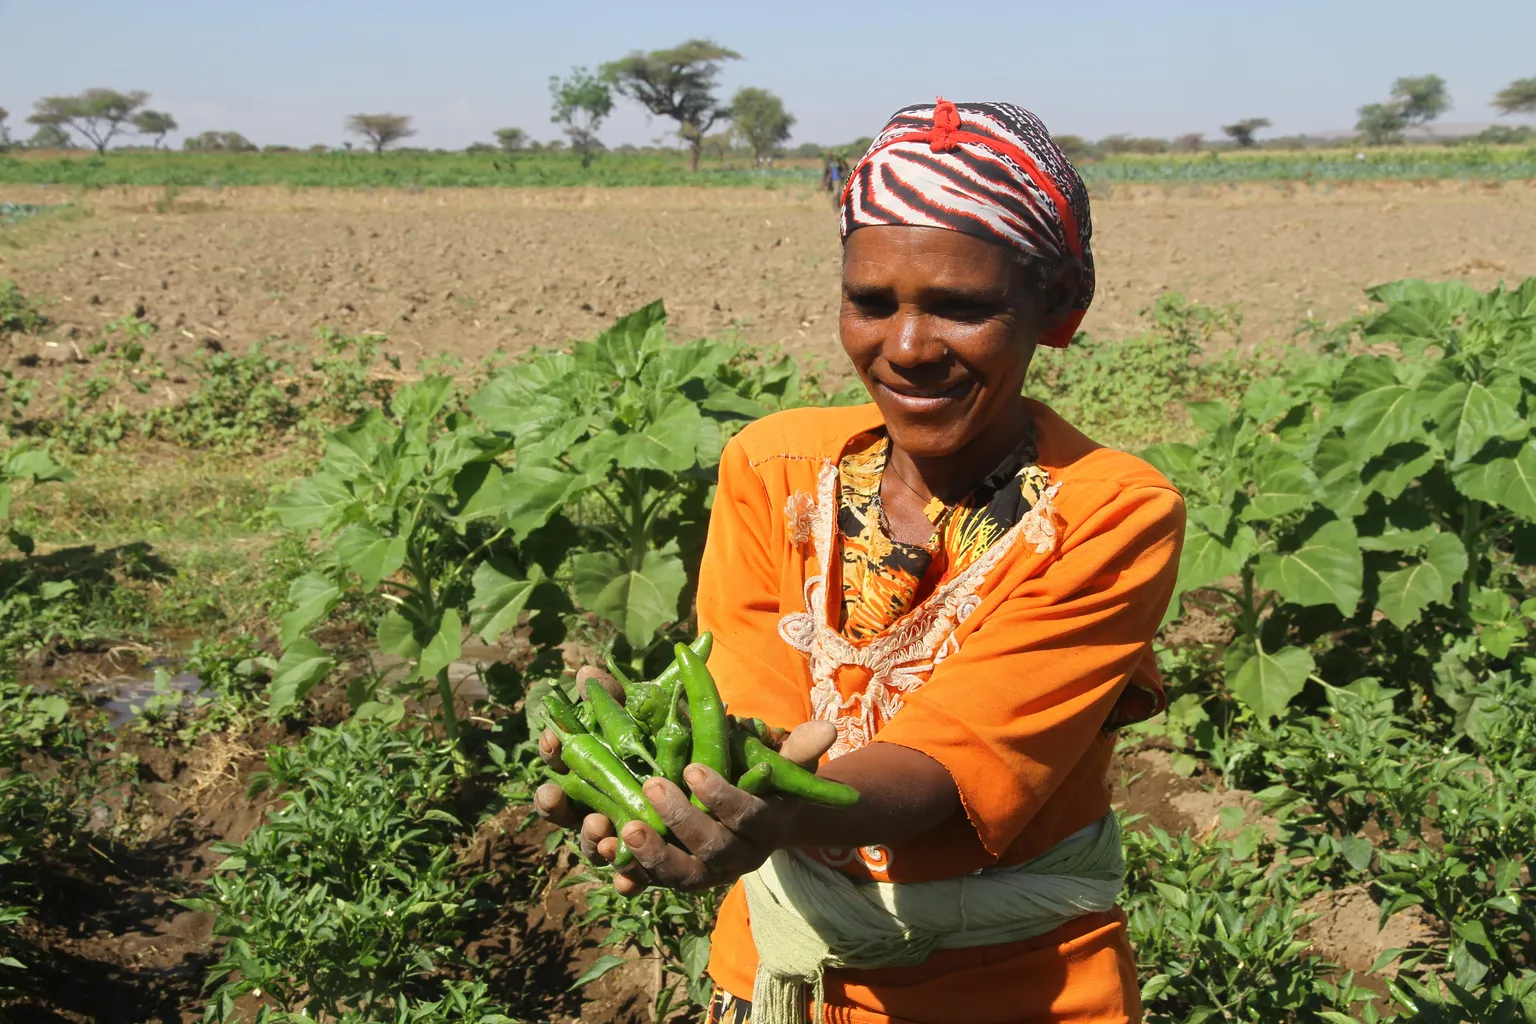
474	272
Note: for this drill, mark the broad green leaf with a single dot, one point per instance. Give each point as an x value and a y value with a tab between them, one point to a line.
370	554
534	493
1470	415
480	492
1326	568
601	966
312	596
1362	374
498	600
1338	475
1390	473
397	636
1207	558
1509	482
317	502
1381	417
1418	313
35	465
1209	416
1180	463
695	955
1403	595
1268	682
302	666
669	443
444	648
639	601
421	401
1283	484
1358	851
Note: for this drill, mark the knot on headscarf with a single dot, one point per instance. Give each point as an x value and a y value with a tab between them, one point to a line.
990	170
946	122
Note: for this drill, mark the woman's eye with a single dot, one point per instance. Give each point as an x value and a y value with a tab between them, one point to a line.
874	306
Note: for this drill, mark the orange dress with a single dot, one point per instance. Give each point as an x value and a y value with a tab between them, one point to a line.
1007	672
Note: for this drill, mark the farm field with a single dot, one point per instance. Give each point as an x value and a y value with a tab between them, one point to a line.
231	787
470	273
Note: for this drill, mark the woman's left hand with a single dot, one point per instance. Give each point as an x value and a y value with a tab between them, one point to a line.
738	834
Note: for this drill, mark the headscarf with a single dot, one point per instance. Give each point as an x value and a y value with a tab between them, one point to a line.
986	169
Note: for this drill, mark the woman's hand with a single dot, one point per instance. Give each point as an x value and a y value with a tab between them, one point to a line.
734	838
550	801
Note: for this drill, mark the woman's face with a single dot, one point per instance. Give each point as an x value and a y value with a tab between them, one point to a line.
941	326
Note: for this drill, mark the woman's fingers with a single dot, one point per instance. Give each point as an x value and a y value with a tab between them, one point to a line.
808	742
591	673
551	803
739	811
549	751
595	828
663	864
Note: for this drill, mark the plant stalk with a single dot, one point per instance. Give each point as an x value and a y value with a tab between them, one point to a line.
1471	536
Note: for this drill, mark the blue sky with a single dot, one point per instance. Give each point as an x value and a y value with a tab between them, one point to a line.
289	71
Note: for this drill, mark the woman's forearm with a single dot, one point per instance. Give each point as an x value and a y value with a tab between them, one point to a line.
902	794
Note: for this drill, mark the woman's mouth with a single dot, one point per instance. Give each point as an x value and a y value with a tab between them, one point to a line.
925	400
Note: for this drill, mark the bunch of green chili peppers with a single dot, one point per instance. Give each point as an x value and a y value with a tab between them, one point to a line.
664	725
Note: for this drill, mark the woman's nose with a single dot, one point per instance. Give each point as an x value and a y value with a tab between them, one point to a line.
912	341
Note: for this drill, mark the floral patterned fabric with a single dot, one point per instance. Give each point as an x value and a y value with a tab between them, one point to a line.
884	578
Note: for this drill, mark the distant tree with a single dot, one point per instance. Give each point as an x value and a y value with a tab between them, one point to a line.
97	114
1122	143
1420	99
1242	132
154	122
1505	135
279	149
5	133
51	136
511	139
809	150
1381	124
482	148
1518	97
381	129
1074	146
1190	142
859	146
319	147
218	142
679	84
761	121
581	102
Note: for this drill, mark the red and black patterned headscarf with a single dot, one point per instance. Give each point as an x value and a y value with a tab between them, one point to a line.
986	169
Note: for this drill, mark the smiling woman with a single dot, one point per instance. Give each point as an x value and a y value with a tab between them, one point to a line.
950	594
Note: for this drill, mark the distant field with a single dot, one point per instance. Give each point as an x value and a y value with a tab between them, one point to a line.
408	169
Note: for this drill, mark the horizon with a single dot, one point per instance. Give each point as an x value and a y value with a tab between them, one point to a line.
301	69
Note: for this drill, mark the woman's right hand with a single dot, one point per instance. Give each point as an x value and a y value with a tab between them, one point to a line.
550	801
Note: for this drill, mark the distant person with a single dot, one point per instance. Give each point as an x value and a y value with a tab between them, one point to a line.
949	595
833	174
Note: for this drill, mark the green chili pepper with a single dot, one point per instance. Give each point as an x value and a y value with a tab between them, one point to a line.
561	714
787	777
620	730
644	701
585	755
673	740
706	713
755	779
702	645
583	792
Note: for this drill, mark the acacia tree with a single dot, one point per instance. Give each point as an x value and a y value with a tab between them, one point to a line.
1242	132
1518	97
1380	124
679	84
511	139
156	123
761	120
97	114
582	101
1420	98
381	129
51	136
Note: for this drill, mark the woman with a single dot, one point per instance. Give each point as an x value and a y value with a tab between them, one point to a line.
952	593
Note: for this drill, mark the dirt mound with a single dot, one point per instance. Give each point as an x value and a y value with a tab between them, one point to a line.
1347	932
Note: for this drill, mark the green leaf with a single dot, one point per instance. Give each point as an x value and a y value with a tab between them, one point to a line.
370	554
1267	682
1358	851
317	502
444	648
1470	963
1509	482
1180	463
1338	475
639	601
534	493
1389	473
397	635
1403	595
1381	417
1284	484
1209	416
669	442
302	666
1326	568
499	598
601	966
1470	415
695	955
312	597
1207	558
